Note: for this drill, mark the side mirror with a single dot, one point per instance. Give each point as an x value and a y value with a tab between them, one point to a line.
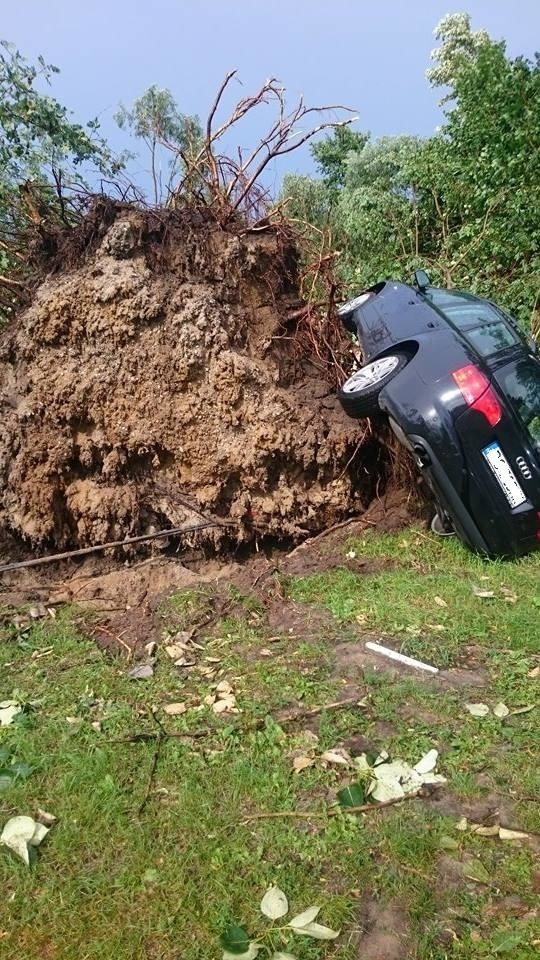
421	279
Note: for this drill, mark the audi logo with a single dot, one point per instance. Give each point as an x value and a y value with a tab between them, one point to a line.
522	464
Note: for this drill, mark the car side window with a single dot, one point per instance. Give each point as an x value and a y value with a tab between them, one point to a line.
480	323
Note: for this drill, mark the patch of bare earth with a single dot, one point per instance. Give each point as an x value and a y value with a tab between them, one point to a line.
353	659
383	931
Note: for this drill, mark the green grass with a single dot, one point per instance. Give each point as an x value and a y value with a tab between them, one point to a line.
164	883
401	600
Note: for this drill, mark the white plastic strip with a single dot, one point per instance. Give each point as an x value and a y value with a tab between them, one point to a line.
400	657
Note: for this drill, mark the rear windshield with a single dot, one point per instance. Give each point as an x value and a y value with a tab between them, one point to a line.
521	383
480	323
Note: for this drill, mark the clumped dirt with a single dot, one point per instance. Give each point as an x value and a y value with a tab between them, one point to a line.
156	374
384	931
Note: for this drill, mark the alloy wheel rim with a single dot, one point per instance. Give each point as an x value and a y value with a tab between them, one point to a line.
371	374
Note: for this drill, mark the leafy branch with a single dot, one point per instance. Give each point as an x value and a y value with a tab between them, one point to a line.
239	945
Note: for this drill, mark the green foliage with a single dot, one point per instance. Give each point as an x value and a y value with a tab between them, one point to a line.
42	152
333	153
458	50
464	203
170	136
35	129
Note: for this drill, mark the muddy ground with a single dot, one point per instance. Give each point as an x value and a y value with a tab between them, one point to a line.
125	596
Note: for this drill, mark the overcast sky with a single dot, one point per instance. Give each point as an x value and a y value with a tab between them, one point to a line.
368	54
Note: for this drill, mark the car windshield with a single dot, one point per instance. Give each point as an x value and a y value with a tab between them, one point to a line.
521	384
479	322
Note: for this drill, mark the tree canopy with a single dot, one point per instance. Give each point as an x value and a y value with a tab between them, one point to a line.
465	203
41	152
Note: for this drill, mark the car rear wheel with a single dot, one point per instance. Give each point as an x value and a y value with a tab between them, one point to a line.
359	395
441	524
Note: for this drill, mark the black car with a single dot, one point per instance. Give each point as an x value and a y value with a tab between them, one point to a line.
460	384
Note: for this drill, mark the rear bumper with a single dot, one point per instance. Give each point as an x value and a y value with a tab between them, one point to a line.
507	530
450	499
480	521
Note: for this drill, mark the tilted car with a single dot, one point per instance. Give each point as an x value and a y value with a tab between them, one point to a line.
460	384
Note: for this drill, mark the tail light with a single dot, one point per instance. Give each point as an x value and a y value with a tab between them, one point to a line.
477	393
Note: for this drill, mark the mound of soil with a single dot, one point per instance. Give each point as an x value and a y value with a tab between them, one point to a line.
156	374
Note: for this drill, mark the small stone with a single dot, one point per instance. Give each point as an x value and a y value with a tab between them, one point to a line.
143	671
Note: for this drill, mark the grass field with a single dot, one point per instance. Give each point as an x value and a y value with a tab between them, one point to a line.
154	855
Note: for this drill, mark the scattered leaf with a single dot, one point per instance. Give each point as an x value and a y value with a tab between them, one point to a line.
47	819
428	762
351	796
462	824
302	919
302	763
518	710
475	870
339	757
501	710
384	790
483	594
174	709
176	651
535	672
440	602
506	941
274	904
506	834
74	724
21	833
477	709
448	843
482	831
351	555
9	709
282	956
225	705
38	611
317	931
362	765
235	940
224	687
141	672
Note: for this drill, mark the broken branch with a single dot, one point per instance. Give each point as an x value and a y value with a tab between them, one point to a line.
331	812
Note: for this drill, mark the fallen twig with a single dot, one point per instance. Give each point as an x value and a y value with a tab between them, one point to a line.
83	551
258	724
331	812
157	751
315	711
335	526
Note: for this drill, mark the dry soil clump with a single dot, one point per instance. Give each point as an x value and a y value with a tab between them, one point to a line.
157	367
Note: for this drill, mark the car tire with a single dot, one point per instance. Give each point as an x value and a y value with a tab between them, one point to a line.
359	395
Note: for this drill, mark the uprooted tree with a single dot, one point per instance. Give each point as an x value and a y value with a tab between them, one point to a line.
168	364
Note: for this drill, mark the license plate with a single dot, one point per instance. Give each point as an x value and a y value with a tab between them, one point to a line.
504	474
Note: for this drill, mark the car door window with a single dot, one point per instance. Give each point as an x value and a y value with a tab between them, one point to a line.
480	323
521	383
